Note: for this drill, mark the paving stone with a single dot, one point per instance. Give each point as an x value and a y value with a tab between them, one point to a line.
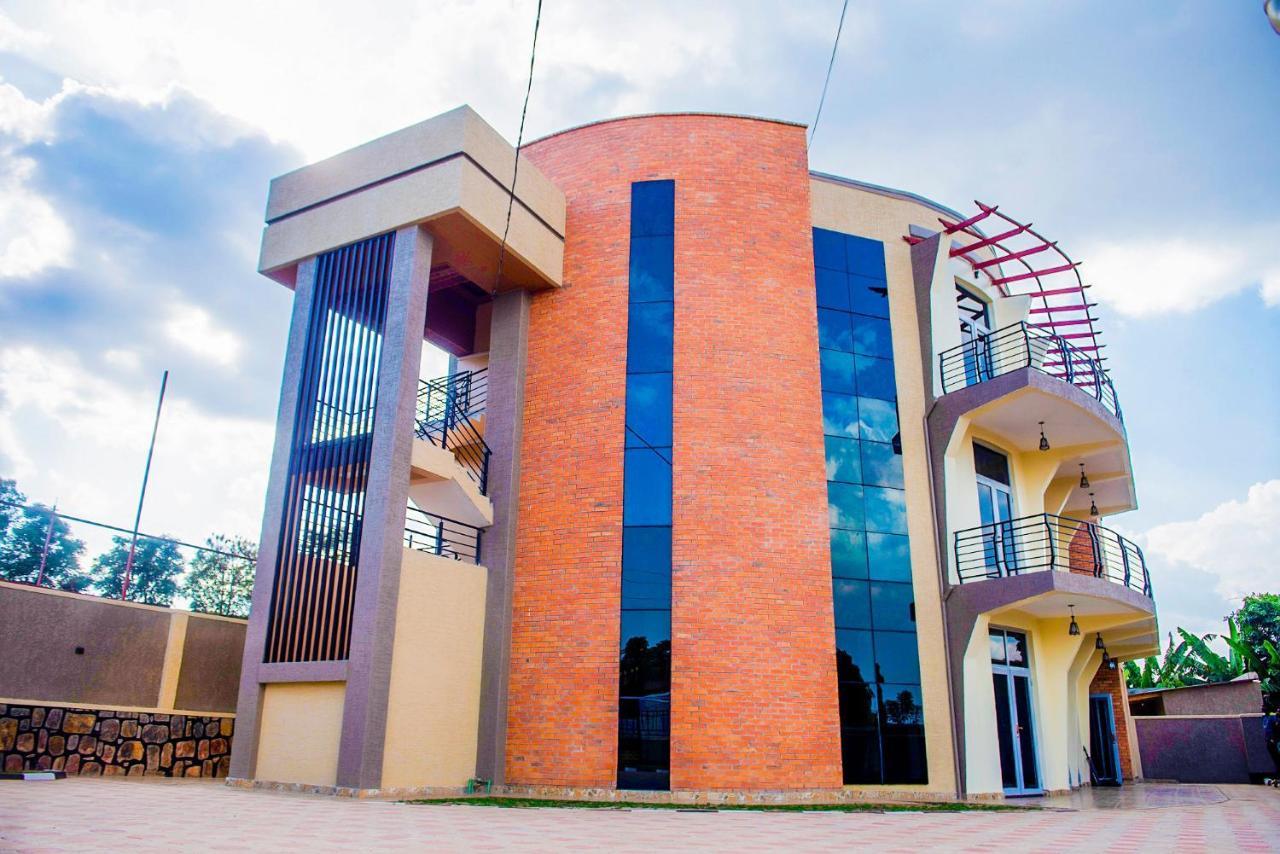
87	744
166	755
129	751
185	749
226	725
57	745
37	716
202	749
109	730
54	719
129	729
153	757
8	733
155	733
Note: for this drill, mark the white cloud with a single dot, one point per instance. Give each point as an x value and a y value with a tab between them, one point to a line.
81	439
1237	543
127	360
195	330
33	237
1182	274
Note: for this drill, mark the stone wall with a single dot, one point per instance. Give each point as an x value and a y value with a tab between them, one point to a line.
100	742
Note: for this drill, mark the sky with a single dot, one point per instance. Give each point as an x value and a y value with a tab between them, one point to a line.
137	140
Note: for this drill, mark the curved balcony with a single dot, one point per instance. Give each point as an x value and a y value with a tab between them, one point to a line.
1047	542
1025	346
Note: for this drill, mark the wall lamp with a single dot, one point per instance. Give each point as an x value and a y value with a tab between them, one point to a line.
1074	628
1044	442
1084	478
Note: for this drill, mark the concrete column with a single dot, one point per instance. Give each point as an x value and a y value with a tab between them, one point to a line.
364	719
244	751
504	420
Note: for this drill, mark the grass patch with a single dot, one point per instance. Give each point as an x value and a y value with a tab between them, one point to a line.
540	803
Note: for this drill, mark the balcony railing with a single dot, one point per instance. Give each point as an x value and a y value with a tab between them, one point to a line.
1048	542
1024	346
446	407
438	535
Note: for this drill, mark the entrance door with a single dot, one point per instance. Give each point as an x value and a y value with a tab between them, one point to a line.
995	509
975	334
1011	674
1104	750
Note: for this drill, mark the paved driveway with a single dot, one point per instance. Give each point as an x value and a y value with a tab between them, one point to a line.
112	814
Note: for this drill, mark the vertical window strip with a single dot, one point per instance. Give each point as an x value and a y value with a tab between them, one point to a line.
882	725
644	704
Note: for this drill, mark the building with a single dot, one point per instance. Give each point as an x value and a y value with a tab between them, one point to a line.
772	480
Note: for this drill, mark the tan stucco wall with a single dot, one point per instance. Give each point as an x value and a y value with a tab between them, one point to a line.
300	728
866	214
433	707
135	656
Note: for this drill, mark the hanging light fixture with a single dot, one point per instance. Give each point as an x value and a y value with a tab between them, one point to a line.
1044	442
1093	506
1084	478
1098	644
1074	628
1106	659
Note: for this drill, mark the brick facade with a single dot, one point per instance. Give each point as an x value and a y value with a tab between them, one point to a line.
1108	681
754	703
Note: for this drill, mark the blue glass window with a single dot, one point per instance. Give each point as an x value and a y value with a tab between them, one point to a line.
652	277
646	567
889	557
834	331
644	704
875	378
877	419
894	606
649	410
868	296
871	337
649	338
845	506
840	415
833	289
898	655
848	554
855	660
653	208
865	257
828	250
852	603
843	461
877	655
886	510
837	372
880	465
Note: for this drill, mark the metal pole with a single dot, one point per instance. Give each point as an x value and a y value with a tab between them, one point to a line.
146	474
48	538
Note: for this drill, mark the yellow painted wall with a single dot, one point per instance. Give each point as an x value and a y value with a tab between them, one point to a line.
301	726
433	708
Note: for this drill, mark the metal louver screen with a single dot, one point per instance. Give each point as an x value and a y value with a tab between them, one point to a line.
318	558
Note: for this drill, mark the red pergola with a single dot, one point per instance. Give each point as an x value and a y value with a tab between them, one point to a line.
1019	261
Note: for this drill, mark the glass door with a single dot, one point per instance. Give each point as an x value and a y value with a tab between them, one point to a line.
1011	675
995	510
1104	751
975	335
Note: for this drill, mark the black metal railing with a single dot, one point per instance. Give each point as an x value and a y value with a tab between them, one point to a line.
1048	542
1024	346
439	535
445	412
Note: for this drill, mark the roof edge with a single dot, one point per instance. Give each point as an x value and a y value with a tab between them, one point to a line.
707	114
905	195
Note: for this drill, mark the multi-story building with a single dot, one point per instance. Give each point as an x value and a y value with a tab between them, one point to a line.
745	479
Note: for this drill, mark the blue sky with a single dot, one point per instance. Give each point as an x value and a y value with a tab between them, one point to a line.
136	142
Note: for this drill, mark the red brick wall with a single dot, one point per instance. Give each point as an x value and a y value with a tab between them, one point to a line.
1108	681
754	700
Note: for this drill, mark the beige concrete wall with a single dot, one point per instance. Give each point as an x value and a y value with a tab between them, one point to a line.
300	729
433	707
878	217
135	656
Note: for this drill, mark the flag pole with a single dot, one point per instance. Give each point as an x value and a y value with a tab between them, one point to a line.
146	474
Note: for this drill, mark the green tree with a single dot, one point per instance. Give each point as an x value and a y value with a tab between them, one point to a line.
157	564
219	584
1171	670
1258	619
22	544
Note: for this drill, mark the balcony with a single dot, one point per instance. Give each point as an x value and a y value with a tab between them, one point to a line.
436	535
450	468
1025	346
1047	542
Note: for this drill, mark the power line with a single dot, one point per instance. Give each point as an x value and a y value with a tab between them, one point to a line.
515	171
830	65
